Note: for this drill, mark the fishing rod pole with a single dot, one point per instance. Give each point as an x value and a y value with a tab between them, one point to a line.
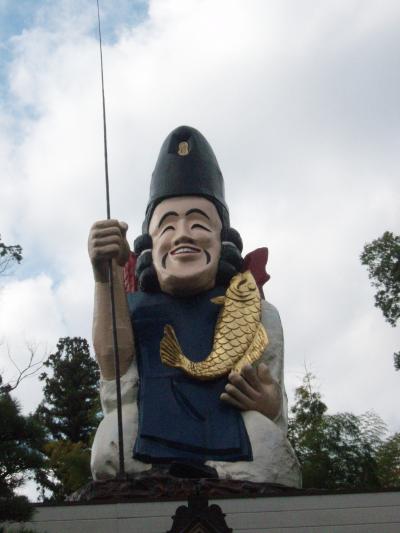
110	272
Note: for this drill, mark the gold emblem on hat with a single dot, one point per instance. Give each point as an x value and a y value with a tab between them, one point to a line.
183	148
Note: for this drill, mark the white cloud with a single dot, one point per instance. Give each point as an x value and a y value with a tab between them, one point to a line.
29	318
23	306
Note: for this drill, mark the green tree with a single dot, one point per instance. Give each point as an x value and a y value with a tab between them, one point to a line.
69	408
388	458
9	255
335	451
68	465
21	438
382	259
70	412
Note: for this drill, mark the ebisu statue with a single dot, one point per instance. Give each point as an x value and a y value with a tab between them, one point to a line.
201	350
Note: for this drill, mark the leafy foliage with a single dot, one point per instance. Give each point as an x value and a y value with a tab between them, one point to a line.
20	437
396	360
9	255
382	258
70	413
335	451
71	404
388	458
68	468
20	441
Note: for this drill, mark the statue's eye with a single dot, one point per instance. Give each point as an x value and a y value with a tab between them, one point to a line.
200	226
166	229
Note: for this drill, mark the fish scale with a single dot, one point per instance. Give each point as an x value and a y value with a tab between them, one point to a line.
239	337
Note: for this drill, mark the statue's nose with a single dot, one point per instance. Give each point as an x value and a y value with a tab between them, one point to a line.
183	239
182	234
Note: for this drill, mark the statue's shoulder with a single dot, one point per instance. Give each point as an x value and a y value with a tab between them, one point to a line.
142	300
269	313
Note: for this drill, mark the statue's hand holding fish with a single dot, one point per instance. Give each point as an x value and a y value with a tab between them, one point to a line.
254	389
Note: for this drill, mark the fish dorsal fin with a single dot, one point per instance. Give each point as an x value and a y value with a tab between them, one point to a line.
218	300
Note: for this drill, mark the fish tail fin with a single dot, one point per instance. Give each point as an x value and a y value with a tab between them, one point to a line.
170	350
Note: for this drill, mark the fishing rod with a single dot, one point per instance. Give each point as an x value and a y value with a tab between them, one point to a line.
110	272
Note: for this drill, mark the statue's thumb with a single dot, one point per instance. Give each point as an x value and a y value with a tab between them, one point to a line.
124	228
264	374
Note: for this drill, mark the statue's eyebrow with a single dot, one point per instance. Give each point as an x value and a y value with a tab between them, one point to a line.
167	214
194	210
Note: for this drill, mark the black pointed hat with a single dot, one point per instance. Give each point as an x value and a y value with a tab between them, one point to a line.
187	166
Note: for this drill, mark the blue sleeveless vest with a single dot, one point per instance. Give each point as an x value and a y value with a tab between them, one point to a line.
181	418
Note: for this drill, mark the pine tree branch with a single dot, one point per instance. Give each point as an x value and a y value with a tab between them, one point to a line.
32	367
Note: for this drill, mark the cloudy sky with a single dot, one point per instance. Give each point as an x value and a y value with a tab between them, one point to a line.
300	101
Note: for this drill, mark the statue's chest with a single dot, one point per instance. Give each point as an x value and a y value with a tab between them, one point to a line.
193	320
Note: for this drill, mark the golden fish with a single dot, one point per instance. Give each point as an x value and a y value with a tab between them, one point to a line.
239	338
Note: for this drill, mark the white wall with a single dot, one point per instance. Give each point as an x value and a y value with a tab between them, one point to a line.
332	513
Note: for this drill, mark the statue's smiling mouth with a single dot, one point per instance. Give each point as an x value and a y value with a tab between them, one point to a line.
185	250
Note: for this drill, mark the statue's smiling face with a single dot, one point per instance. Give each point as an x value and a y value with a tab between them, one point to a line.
186	233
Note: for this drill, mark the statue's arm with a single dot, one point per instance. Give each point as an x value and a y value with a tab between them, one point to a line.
273	357
261	388
107	240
